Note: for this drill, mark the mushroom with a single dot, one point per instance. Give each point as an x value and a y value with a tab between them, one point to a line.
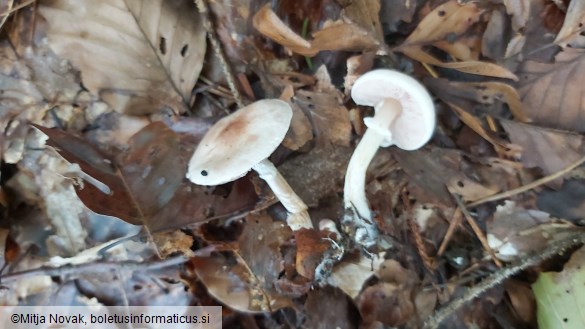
243	141
404	116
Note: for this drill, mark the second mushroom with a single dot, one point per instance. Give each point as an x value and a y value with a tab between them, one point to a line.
404	116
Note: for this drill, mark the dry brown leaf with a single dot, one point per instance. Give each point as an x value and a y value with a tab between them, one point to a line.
447	20
471	67
330	119
552	94
514	231
270	25
463	100
366	13
520	12
300	131
323	169
551	150
244	279
486	93
327	308
392	12
351	274
440	171
139	56
574	21
567	202
355	37
342	35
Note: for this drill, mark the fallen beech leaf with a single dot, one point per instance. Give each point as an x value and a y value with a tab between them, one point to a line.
350	274
460	100
300	131
269	24
366	13
520	12
355	37
323	170
573	23
552	93
312	248
448	19
471	67
514	231
385	302
438	171
149	54
329	118
136	188
551	150
328	308
566	202
244	278
560	296
341	35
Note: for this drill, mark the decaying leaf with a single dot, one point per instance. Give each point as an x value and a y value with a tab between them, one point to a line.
566	202
350	275
244	278
323	169
551	150
447	20
312	248
119	191
471	67
390	301
514	231
573	23
356	36
27	82
464	101
561	296
329	118
150	53
116	187
438	171
328	308
552	94
269	24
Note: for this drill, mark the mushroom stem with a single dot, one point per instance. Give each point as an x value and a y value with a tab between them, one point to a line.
354	191
298	216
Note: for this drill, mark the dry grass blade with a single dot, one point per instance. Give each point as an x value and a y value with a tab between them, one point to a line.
480	235
529	186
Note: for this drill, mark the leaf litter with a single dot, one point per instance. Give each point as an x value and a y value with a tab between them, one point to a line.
123	91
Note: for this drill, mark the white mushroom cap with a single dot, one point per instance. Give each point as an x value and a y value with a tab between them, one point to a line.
239	141
414	125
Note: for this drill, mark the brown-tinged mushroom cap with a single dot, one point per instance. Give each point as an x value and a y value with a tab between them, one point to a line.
415	123
239	141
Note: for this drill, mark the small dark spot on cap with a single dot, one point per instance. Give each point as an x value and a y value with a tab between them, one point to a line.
203	172
441	13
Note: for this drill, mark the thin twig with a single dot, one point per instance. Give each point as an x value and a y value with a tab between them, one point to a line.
103	266
455	221
556	248
478	232
529	186
428	261
229	75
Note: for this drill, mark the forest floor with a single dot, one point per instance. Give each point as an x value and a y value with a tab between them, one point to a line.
103	104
